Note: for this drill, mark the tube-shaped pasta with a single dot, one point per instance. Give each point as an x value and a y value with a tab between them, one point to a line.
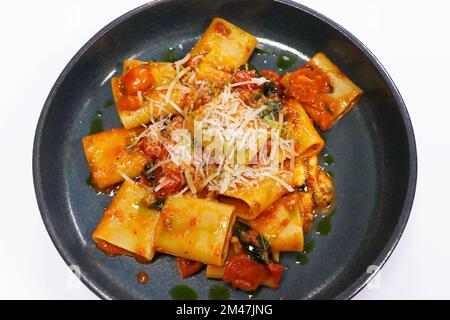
224	45
153	103
128	225
195	229
308	142
215	272
334	96
251	202
108	154
281	225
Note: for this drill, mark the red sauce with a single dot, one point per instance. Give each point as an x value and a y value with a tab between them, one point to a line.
244	273
113	251
243	76
193	222
324	118
276	271
188	267
129	103
109	249
309	85
174	177
142	277
125	88
222	29
153	149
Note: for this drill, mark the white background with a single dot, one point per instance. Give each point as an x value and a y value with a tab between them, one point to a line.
38	38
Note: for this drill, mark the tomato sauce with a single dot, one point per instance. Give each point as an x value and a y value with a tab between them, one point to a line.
142	277
276	272
222	29
243	76
244	273
174	179
153	149
188	267
310	85
138	79
113	251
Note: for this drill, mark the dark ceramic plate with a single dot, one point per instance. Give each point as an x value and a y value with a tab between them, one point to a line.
373	147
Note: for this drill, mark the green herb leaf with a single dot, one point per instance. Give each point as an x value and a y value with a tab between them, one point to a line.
158	205
255	253
259	253
272	110
239	227
269	88
264	243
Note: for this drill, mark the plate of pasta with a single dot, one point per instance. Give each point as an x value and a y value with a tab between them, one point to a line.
243	150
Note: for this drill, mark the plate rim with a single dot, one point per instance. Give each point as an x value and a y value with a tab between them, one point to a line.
405	213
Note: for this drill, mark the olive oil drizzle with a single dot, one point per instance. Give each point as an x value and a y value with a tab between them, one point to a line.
183	292
285	60
302	258
170	55
324	227
97	122
218	292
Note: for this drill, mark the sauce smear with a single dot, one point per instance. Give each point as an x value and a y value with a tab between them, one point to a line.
142	277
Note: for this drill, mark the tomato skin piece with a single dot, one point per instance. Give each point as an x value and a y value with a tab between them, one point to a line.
188	267
276	271
153	149
244	273
137	79
175	179
308	84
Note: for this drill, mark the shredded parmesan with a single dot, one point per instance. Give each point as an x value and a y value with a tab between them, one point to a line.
173	104
141	100
258	81
162	183
280	181
228	122
182	61
172	84
189	181
179	194
159	164
125	177
152	118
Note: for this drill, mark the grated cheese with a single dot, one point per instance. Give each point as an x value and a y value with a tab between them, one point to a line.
162	183
280	181
228	120
258	81
125	177
189	181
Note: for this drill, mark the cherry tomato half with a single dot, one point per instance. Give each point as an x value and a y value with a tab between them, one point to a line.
137	79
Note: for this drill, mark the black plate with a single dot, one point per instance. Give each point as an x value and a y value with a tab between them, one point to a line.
374	148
